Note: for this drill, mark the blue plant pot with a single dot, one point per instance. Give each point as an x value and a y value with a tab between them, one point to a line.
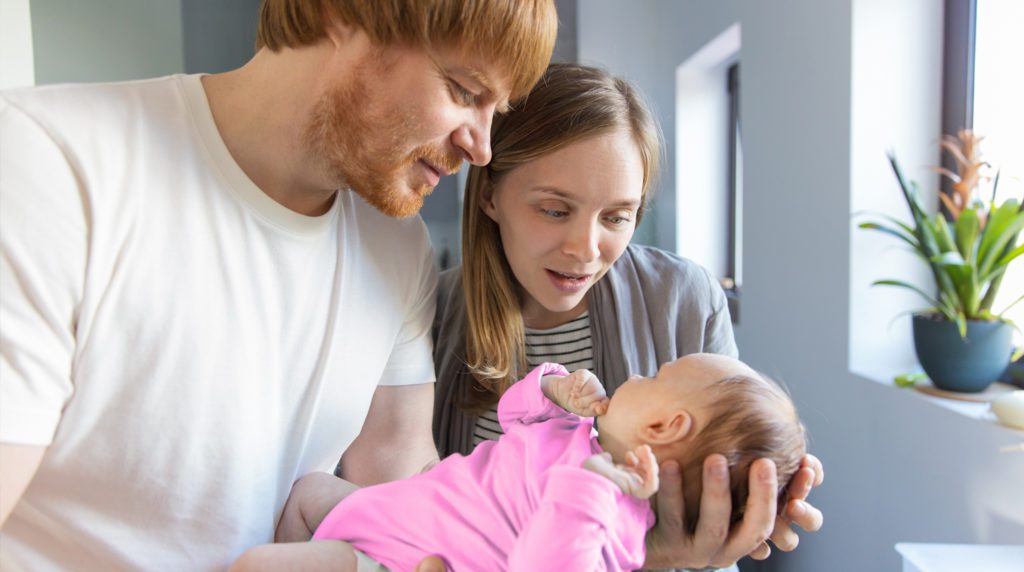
969	364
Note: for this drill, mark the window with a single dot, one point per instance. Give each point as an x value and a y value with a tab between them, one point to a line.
983	89
709	159
734	228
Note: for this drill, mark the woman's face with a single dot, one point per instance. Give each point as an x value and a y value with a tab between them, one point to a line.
565	218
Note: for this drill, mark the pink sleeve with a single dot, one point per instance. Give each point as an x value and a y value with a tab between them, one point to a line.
573	527
524	403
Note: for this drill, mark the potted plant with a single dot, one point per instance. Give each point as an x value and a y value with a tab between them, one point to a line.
960	342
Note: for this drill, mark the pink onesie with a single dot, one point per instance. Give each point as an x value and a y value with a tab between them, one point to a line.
523	502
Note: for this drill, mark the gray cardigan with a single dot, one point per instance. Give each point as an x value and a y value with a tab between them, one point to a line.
652	307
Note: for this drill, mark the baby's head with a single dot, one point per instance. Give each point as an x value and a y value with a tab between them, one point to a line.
703	404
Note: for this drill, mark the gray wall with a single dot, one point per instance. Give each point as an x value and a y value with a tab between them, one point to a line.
899	467
113	40
220	35
106	40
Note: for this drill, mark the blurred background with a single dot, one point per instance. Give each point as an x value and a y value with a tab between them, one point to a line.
777	116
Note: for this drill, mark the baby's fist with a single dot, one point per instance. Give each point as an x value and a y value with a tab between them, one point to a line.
587	397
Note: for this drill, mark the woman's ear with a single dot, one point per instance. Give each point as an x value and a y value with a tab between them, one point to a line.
670	428
487	203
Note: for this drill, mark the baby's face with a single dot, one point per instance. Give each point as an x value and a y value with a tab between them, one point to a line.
683	383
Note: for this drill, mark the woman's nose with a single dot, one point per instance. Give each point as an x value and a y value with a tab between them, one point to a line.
583	244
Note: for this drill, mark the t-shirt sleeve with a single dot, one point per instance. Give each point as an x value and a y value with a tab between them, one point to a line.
412	357
43	250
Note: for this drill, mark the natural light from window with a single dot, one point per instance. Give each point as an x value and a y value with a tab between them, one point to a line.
999	116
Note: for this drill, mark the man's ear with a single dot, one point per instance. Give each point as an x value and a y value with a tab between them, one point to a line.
487	202
338	32
670	428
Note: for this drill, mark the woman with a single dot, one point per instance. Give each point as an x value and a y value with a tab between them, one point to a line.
548	275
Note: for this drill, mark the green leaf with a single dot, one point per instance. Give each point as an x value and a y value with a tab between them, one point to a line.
1004	261
909	379
908	238
943	236
1012	304
930	299
966	227
1004	224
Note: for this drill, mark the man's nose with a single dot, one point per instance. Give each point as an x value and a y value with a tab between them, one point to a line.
474	137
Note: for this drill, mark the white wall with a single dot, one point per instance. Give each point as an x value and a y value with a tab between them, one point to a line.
899	468
16	62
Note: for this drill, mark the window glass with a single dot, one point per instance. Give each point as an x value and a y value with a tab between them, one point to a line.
999	116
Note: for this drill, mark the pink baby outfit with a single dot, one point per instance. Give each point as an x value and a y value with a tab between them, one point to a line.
522	503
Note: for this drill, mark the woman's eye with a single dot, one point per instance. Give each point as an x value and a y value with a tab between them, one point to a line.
555	213
618	220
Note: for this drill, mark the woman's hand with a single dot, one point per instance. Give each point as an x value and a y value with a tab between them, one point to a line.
716	545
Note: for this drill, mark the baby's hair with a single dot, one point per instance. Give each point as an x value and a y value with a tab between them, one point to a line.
750	418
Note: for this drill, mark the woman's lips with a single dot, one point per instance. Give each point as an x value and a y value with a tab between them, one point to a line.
568	283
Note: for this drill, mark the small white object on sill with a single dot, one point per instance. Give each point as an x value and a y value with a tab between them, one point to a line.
1009	409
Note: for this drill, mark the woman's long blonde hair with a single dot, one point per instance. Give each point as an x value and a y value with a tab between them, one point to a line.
570	103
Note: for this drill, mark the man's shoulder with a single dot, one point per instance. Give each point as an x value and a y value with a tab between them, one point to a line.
83	95
450	281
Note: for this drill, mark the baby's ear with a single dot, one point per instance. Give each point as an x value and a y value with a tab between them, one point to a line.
670	428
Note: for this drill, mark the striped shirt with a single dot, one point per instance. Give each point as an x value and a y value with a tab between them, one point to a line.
568	344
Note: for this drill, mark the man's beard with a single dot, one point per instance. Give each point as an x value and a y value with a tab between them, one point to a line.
365	148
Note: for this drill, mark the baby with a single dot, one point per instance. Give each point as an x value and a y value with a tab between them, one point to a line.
553	493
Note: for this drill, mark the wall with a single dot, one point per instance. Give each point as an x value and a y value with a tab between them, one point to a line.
106	40
899	468
218	36
16	61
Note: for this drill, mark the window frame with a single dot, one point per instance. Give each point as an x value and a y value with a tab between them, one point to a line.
960	30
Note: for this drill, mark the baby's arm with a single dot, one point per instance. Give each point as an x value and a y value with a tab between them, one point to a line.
578	519
580	393
312	497
638	477
326	555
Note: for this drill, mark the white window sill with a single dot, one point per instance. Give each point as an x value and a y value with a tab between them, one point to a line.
969	409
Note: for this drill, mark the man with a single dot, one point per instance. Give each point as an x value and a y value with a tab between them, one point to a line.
194	316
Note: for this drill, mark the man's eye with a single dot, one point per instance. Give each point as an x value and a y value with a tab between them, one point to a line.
460	94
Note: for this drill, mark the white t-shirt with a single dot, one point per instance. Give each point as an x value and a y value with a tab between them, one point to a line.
185	346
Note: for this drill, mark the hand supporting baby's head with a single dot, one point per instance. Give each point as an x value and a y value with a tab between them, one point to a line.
703	404
750	418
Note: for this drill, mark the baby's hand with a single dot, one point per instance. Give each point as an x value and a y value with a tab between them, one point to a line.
638	477
579	392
